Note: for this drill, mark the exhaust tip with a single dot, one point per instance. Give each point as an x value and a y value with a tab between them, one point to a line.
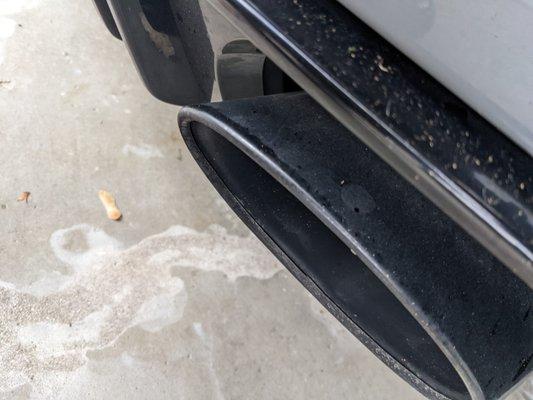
425	297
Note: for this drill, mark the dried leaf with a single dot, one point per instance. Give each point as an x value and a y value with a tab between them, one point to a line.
24	196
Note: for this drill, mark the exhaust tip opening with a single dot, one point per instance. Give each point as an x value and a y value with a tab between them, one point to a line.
329	263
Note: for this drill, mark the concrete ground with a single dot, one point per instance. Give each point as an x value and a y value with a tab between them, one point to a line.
177	300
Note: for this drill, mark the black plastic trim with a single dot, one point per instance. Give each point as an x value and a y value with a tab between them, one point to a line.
162	57
107	17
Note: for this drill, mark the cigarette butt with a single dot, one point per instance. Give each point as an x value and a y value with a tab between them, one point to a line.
110	205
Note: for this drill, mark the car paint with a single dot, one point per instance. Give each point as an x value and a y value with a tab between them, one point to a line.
482	50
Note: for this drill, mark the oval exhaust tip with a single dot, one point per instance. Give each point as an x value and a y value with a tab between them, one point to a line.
419	292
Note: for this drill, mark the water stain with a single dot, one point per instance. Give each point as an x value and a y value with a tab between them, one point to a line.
51	325
357	198
143	151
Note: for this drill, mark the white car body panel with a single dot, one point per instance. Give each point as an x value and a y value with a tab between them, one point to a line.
482	50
